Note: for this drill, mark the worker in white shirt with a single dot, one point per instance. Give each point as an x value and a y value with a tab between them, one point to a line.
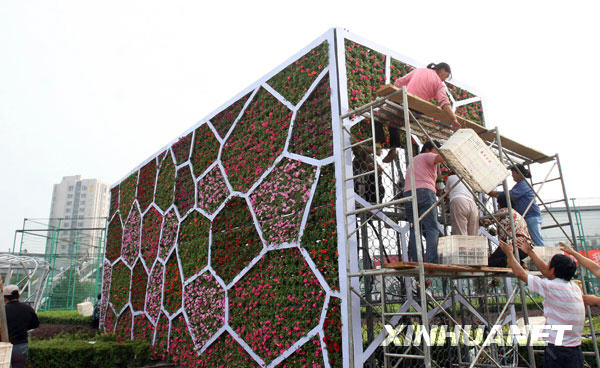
464	214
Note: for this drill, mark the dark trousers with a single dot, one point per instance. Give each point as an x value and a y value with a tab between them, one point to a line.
563	357
20	352
498	258
394	135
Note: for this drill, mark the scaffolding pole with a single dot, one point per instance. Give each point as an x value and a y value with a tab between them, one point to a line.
367	111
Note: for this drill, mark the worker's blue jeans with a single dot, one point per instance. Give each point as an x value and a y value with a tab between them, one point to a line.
429	225
534	224
20	352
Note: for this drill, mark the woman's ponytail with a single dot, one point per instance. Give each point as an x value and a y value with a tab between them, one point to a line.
439	66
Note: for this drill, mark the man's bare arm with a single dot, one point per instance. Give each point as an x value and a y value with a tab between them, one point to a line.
516	267
583	260
542	266
591	300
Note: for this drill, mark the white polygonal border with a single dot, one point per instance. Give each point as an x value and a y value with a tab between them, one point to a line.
341	35
317	163
339	105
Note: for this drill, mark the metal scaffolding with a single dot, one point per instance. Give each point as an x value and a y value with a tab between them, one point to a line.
35	273
393	294
72	255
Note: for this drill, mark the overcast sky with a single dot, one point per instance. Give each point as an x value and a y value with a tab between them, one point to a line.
94	88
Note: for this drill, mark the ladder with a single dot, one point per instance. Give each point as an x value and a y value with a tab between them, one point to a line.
355	207
350	230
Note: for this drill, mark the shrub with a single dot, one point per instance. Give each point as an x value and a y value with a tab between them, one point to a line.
46	331
63	318
74	351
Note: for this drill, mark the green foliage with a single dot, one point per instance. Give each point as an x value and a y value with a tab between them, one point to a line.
63	317
165	183
235	241
226	352
120	285
181	347
293	81
311	135
181	149
71	351
193	243
280	200
152	224
184	190
123	328
472	111
365	70
308	355
256	141
172	286
138	292
127	195
206	148
147	181
279	299
320	233
223	120
114	200
333	332
398	69
114	239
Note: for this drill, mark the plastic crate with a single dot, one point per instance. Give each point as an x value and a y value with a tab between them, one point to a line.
473	160
5	354
545	254
85	309
463	249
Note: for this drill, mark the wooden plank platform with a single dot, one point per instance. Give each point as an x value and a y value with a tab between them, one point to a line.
427	108
447	270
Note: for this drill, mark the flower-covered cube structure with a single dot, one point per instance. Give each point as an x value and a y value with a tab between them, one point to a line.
223	247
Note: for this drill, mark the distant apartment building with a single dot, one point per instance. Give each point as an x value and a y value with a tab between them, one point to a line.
78	207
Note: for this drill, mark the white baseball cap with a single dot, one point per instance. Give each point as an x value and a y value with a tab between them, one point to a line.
9	290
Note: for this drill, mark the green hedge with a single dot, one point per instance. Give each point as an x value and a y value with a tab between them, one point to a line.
106	352
63	318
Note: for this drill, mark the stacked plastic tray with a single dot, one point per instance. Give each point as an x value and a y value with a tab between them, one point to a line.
473	160
463	250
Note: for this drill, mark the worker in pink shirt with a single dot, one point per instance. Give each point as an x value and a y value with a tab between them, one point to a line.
424	168
428	83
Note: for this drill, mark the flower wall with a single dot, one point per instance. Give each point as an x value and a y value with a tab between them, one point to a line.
368	69
222	249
